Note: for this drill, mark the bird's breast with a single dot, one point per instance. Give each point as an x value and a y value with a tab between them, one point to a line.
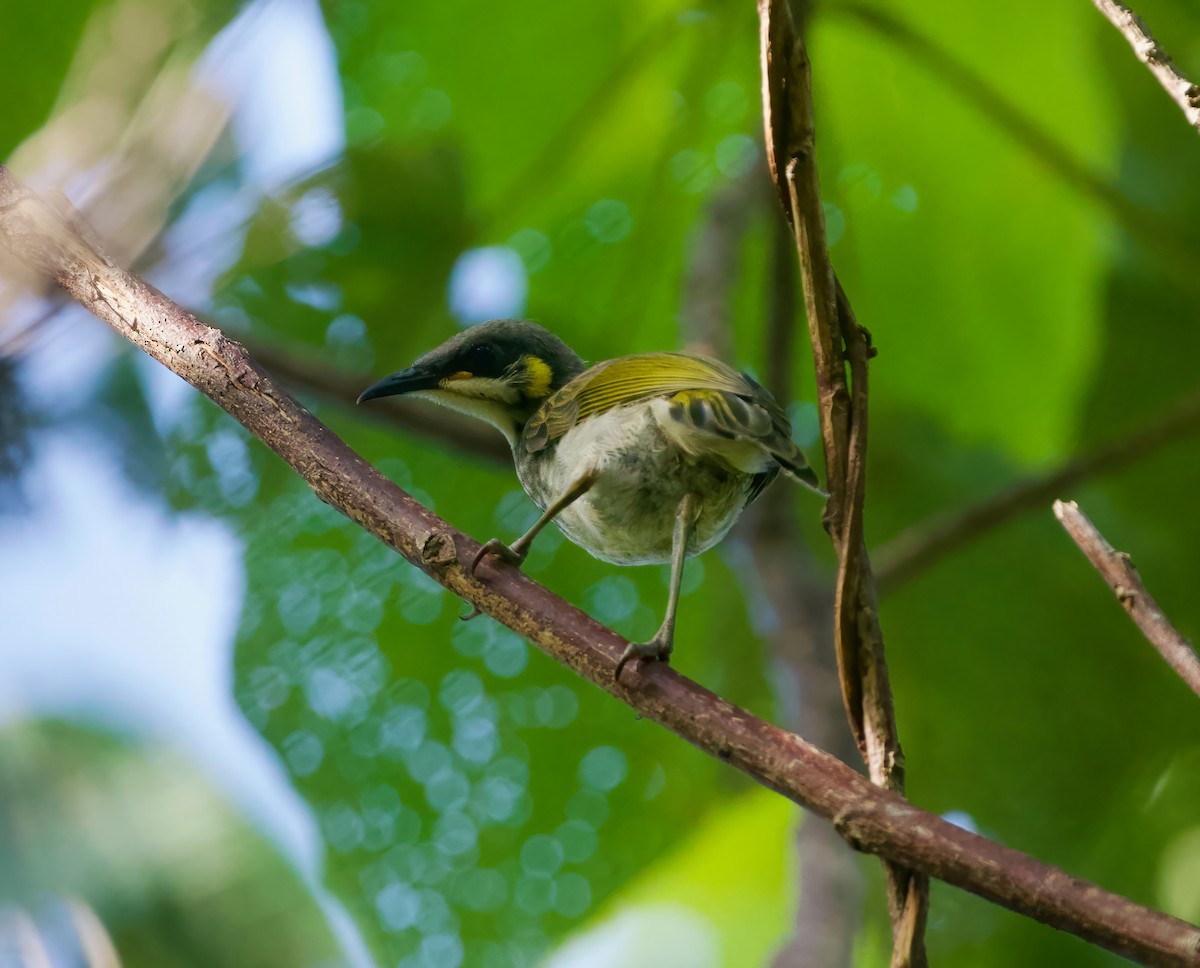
628	515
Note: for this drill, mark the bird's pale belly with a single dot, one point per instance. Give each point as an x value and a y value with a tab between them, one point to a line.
628	515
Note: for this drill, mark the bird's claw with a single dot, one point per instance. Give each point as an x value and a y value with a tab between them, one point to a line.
658	649
514	556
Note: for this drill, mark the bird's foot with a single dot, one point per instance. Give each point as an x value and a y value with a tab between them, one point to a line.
514	555
658	649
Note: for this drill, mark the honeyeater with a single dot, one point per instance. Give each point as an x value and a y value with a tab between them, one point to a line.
642	459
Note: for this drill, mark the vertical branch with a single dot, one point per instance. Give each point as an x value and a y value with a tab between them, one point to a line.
842	400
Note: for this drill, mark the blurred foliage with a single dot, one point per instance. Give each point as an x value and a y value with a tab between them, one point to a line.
478	804
174	874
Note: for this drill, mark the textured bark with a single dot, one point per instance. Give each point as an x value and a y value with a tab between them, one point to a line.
1116	568
1182	91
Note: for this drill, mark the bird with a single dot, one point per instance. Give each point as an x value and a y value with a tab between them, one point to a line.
643	459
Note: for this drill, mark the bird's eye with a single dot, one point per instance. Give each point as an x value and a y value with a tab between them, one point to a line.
480	358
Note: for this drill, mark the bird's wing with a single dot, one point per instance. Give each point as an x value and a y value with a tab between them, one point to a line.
628	379
705	396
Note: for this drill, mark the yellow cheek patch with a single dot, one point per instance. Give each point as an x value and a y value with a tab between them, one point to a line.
460	375
538	377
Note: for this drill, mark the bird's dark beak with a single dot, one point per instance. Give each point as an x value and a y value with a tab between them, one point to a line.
406	381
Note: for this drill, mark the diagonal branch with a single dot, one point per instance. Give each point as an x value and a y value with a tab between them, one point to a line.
871	819
1117	569
1182	91
837	339
919	547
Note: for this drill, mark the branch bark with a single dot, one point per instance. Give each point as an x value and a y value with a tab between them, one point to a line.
837	339
1116	568
919	547
869	818
1183	92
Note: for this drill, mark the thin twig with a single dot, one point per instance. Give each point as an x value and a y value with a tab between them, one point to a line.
1182	91
919	547
1117	569
870	818
836	339
1175	251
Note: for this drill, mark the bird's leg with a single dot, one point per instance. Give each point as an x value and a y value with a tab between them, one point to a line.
659	648
515	553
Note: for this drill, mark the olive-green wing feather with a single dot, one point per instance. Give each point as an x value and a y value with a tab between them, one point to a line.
705	396
752	417
628	379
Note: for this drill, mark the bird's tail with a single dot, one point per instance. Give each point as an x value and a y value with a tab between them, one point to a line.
798	470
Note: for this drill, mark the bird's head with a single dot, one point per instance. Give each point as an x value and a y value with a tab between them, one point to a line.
500	371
